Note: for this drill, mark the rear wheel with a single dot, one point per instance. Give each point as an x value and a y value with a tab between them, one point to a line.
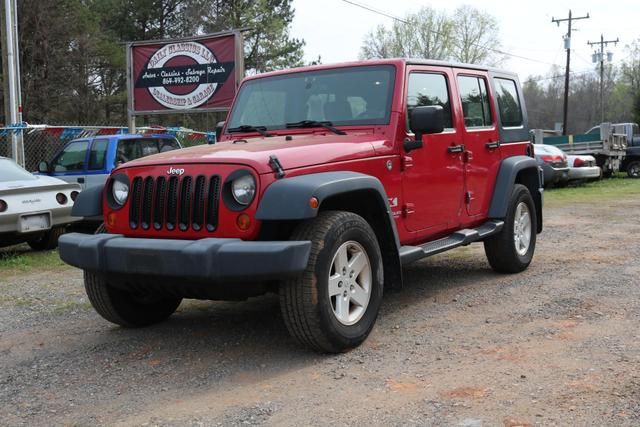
333	305
633	169
511	250
47	241
124	308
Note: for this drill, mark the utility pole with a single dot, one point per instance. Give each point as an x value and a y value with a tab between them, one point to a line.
600	56
12	79
567	46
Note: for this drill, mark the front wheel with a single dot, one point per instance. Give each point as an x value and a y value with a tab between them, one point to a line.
333	305
633	169
511	250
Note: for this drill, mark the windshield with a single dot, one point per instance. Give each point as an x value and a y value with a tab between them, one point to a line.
343	96
9	171
71	159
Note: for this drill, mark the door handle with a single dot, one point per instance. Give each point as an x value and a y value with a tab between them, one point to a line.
81	180
492	145
456	148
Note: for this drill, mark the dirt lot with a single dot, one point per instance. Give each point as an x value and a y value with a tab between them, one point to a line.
460	345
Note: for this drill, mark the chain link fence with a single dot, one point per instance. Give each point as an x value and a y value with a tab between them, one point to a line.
42	142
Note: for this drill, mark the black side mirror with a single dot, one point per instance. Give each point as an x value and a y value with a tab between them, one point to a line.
43	167
219	128
424	120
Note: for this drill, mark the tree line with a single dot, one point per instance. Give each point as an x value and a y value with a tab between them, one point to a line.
72	52
72	55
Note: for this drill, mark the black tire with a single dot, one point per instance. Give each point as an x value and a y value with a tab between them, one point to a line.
305	302
633	169
501	248
47	241
123	308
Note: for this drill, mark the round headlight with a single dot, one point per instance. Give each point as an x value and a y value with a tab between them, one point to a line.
243	189
120	192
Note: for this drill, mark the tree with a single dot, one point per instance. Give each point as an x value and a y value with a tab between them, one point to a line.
478	37
424	34
468	35
268	45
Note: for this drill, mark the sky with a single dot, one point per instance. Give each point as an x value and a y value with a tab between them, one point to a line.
335	29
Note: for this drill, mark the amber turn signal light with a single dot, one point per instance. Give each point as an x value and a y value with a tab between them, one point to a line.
111	219
243	221
314	203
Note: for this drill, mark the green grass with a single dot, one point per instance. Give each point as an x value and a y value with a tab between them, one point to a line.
20	259
619	187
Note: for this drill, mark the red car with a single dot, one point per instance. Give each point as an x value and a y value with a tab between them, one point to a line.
327	180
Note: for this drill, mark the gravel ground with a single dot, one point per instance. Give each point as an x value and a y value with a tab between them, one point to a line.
459	345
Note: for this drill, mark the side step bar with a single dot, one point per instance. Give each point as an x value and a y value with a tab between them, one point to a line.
459	238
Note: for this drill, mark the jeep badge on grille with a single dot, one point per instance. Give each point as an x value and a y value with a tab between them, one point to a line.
174	171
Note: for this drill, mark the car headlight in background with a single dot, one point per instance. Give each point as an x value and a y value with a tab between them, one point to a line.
243	189
120	192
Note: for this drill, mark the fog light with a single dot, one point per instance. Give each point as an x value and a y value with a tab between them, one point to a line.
243	221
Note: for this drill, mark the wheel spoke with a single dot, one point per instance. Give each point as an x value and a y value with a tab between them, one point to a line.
342	261
334	289
342	307
358	263
359	295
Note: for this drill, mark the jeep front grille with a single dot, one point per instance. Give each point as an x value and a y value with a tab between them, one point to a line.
177	202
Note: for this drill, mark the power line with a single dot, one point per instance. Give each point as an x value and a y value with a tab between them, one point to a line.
388	15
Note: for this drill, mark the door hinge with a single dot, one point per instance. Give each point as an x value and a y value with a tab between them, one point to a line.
407	209
406	162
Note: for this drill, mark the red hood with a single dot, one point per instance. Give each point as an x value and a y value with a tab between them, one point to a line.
302	150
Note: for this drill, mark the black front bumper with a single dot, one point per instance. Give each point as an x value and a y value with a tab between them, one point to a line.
211	260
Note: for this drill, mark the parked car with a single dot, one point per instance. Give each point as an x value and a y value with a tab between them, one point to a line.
554	164
89	161
631	161
327	181
33	209
583	168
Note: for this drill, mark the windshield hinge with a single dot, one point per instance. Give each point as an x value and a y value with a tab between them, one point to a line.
276	166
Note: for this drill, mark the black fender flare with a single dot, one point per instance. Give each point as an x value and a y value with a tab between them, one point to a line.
89	202
288	199
510	168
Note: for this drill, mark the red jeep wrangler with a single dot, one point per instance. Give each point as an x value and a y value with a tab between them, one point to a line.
327	180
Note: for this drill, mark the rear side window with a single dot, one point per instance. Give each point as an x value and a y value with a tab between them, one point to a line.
71	159
97	154
508	103
475	103
429	89
168	145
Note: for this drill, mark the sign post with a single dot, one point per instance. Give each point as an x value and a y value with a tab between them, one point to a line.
195	74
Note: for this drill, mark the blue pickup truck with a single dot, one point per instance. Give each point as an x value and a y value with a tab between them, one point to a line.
89	161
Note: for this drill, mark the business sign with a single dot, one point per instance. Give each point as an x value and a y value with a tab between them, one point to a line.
185	75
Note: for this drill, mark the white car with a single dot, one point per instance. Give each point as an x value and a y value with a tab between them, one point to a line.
583	168
33	209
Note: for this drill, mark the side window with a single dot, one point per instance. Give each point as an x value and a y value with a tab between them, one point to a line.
429	89
97	154
508	103
475	103
148	147
71	159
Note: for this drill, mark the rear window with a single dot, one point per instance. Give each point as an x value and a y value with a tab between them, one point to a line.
475	103
131	149
508	102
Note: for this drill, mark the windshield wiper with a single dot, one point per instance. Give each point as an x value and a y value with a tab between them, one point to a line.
314	124
262	130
